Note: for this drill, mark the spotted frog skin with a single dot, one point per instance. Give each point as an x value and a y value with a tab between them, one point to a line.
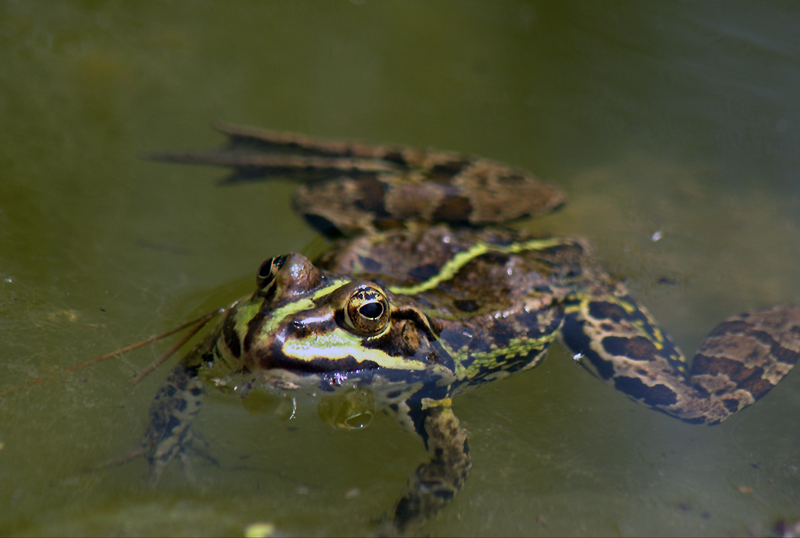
424	295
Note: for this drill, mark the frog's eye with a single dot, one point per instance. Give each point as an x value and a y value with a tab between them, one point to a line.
367	311
267	271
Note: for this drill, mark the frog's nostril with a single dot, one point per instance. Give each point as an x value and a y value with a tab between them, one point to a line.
298	328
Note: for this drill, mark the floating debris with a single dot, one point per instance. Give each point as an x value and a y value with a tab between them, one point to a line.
259	530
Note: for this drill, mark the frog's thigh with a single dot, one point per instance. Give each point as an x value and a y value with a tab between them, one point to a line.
620	342
739	361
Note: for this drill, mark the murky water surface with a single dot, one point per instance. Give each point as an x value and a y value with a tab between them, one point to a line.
677	121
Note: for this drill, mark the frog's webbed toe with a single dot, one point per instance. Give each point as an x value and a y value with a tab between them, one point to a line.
745	356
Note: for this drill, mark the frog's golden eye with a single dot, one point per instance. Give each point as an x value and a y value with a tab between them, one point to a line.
367	311
267	271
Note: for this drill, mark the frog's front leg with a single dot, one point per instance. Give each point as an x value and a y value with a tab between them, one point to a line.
169	432
436	482
737	363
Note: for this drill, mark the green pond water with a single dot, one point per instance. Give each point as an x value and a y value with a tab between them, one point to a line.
661	119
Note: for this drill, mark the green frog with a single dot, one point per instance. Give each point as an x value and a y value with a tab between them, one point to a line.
424	295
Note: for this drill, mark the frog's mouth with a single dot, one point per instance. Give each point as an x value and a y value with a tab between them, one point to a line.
317	365
328	349
302	358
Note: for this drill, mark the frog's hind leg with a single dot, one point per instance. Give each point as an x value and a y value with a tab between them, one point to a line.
260	153
351	187
737	363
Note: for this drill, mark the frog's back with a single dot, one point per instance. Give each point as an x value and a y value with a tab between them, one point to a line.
494	296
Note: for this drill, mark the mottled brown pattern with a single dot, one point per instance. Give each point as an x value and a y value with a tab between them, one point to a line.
632	347
655	396
169	432
749	379
753	350
603	310
454	209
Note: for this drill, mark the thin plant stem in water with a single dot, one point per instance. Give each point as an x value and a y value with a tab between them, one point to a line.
198	323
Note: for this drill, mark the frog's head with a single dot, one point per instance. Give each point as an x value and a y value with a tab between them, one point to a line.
304	319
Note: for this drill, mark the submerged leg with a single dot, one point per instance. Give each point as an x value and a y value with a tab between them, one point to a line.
258	153
351	187
737	363
437	481
169	432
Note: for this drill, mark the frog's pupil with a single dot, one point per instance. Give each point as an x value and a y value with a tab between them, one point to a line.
270	267
371	310
265	269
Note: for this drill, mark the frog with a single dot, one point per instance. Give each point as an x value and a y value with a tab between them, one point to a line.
427	291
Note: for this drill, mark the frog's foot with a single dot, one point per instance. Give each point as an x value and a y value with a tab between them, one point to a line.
352	187
159	458
436	482
745	356
193	445
169	435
